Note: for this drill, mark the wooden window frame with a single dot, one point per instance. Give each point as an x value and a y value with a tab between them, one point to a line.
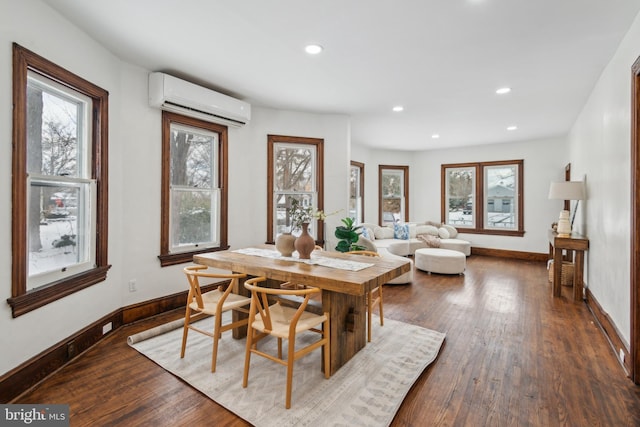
479	197
23	301
318	143
166	257
360	166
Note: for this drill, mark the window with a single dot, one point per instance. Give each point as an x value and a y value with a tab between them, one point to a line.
60	169
484	197
295	171
393	182
356	192
194	183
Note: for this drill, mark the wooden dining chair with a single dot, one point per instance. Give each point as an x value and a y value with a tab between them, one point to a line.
374	296
212	303
267	318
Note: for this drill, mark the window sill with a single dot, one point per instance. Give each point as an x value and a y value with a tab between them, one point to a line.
183	257
514	233
37	298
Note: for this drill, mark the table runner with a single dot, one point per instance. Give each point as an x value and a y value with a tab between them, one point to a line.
316	259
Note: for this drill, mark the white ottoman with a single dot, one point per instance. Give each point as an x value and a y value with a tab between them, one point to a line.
436	260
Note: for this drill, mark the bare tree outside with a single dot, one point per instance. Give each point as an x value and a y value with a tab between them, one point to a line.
392	192
294	179
192	181
53	150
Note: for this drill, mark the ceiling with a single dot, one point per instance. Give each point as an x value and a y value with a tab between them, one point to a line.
442	60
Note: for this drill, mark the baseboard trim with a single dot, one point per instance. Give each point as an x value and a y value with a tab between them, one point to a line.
34	370
30	373
610	332
503	253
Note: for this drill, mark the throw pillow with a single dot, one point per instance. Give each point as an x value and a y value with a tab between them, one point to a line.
383	232
451	229
413	230
366	235
443	233
401	231
430	229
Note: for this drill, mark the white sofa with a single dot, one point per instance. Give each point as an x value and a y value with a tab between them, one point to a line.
406	241
401	280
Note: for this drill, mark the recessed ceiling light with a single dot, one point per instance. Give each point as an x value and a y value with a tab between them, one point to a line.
503	90
435	136
512	128
313	49
398	108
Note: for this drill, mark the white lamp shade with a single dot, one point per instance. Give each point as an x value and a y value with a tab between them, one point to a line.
567	190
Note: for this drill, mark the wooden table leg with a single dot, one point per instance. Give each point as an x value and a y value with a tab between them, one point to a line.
348	326
557	272
578	276
240	332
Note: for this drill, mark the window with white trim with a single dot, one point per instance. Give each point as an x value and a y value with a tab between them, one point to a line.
393	201
295	172
193	191
356	192
485	197
60	169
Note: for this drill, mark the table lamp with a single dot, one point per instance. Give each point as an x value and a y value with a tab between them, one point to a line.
567	190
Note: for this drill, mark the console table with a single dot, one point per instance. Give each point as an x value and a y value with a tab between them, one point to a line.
571	243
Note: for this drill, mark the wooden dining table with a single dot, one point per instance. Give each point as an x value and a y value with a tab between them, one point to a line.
343	291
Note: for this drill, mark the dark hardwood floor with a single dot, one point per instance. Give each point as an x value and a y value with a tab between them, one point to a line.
513	356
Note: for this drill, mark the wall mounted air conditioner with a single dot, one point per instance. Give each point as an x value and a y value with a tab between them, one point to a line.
173	94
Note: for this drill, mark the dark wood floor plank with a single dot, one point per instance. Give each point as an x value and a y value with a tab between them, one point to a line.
513	356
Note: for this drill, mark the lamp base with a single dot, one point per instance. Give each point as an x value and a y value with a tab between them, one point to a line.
564	226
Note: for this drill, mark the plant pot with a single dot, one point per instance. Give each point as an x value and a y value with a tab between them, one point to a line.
304	243
285	244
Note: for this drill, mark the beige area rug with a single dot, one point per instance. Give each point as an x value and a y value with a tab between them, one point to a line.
367	391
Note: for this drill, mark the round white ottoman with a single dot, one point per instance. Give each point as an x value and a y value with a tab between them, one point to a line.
436	260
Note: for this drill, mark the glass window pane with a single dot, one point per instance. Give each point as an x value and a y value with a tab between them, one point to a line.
59	232
192	157
460	184
191	218
57	129
355	198
392	196
283	204
294	168
500	196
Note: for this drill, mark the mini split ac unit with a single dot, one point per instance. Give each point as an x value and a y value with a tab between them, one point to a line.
173	94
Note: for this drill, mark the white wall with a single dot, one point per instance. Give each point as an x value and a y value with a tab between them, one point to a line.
34	26
599	147
544	161
248	166
134	180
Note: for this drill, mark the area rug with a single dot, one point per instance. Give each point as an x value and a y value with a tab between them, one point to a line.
366	391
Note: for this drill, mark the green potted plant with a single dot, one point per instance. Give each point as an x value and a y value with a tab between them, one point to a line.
348	236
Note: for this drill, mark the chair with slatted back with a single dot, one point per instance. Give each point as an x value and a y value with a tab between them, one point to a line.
212	303
371	300
269	318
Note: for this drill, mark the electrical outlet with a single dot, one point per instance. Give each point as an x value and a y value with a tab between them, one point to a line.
107	327
132	285
622	355
71	349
